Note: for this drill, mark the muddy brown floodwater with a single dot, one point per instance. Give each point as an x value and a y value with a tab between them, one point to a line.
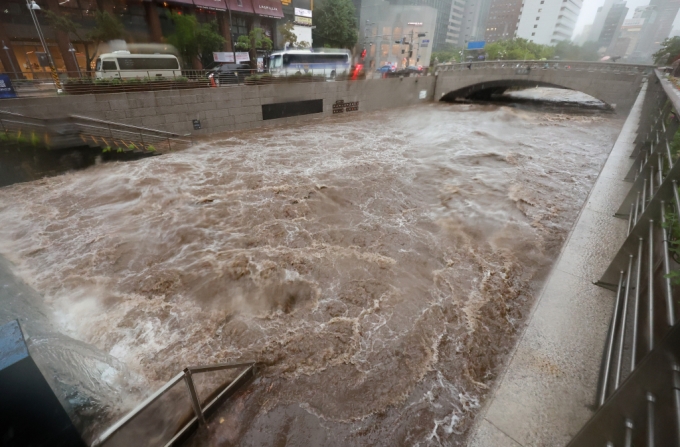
379	264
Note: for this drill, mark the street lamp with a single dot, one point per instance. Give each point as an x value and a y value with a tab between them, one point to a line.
6	48
32	8
73	53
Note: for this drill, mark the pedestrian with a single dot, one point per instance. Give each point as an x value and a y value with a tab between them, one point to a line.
469	66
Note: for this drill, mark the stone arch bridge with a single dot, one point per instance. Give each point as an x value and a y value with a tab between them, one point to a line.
615	84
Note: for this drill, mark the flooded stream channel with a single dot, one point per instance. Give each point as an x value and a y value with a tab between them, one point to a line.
379	264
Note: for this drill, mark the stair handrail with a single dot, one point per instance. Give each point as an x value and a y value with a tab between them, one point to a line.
199	411
114	123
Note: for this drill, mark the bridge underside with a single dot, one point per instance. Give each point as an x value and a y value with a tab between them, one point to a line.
486	90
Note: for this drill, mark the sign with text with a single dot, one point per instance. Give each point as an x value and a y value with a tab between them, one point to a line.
303	12
476	45
303	20
241	56
415	23
425	43
341	106
6	88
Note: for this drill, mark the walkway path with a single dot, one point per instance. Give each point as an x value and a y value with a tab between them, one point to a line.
547	392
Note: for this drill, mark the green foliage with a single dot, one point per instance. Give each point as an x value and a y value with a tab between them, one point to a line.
669	51
336	24
242	44
446	53
193	39
151	148
672	226
287	33
106	149
522	49
132	147
569	51
675	145
107	27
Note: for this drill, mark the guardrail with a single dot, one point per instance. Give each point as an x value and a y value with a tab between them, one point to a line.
169	415
606	67
638	396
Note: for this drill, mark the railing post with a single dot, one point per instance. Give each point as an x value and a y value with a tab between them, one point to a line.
604	380
676	398
628	441
650	420
636	306
624	313
194	397
667	268
650	285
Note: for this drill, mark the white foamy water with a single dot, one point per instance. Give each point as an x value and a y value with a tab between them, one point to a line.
379	264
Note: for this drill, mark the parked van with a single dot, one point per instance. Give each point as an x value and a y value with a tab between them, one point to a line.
123	64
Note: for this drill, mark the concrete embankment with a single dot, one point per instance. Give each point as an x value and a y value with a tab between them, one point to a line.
229	108
547	391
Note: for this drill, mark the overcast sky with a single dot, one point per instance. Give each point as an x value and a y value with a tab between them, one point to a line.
590	8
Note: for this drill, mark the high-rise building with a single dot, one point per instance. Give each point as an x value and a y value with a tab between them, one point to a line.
598	23
627	39
473	24
453	31
612	24
503	19
659	17
443	8
548	21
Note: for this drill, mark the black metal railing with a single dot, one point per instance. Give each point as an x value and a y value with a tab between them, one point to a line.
638	396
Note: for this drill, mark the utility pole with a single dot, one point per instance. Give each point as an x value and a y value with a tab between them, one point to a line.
32	7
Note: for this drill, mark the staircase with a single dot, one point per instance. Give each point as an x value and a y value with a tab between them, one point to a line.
74	131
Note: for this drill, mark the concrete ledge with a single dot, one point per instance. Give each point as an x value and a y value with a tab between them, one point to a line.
547	391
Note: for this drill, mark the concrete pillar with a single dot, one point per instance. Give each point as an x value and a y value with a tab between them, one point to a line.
8	57
153	21
223	21
63	42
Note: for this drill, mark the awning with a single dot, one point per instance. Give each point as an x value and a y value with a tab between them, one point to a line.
180	2
268	8
217	5
241	6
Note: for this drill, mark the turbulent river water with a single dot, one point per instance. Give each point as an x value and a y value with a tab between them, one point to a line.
379	264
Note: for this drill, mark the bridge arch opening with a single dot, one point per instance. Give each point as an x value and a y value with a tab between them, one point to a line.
494	91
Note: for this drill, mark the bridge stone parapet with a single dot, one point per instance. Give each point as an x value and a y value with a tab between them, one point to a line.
615	84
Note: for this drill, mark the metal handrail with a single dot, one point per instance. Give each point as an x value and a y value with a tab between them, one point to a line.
84	118
199	411
643	407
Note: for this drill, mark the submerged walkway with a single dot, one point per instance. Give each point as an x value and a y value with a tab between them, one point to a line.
547	392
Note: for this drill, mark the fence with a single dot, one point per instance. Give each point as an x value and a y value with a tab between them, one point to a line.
605	67
119	81
638	394
169	415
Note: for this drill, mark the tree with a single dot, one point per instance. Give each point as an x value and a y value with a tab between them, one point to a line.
107	27
447	53
335	24
255	40
669	51
194	40
289	36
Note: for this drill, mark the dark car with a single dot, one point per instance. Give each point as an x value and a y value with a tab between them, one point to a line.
385	69
223	74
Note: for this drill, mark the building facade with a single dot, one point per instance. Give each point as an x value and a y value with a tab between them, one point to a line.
548	22
659	16
384	24
145	22
612	24
503	20
627	39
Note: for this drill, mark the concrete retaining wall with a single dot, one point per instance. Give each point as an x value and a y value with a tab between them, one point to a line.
225	109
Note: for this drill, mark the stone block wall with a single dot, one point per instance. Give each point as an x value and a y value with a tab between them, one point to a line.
227	108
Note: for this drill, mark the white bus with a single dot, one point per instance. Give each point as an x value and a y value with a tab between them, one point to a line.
122	64
330	63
